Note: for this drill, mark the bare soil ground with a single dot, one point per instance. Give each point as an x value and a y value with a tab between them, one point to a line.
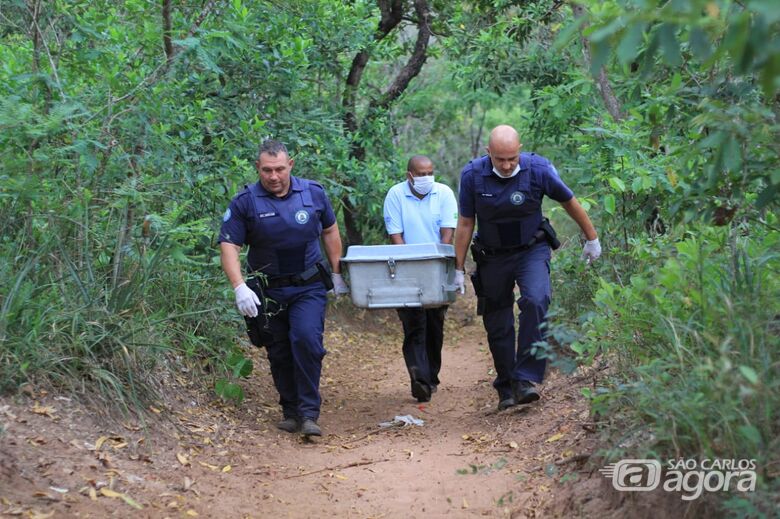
199	457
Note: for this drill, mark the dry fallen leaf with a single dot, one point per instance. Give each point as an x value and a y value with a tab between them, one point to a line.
192	513
465	504
209	465
227	468
47	411
118	495
554	438
183	459
109	493
99	443
513	445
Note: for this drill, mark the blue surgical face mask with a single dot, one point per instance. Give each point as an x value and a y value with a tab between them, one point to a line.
423	185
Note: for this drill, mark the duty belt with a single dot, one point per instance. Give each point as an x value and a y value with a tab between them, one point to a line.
307	277
479	249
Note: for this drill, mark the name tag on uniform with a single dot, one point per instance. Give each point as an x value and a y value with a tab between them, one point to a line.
487	195
266	215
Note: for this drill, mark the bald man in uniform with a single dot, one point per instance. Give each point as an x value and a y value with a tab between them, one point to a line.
503	192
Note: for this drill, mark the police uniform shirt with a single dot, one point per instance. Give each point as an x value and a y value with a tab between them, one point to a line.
420	220
509	210
282	233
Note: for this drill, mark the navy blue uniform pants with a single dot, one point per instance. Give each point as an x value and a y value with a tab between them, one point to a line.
530	271
296	352
423	339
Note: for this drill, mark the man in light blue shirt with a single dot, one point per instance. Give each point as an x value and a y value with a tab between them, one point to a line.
419	210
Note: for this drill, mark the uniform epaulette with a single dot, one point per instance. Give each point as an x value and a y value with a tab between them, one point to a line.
244	191
537	160
313	183
472	166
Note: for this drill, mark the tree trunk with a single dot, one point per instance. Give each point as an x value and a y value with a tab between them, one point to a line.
166	26
602	82
392	15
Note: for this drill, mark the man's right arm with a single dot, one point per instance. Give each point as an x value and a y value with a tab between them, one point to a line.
392	216
463	235
246	300
230	262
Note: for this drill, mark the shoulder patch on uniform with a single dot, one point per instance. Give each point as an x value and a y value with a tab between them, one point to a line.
227	215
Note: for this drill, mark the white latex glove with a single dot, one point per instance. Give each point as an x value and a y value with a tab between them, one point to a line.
339	286
246	300
591	251
460	281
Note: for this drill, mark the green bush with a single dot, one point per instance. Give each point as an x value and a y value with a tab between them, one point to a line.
693	339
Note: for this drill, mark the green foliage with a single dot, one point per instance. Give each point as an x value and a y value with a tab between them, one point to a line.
238	367
702	77
695	334
117	161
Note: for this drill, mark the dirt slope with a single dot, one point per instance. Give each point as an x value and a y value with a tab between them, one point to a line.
207	459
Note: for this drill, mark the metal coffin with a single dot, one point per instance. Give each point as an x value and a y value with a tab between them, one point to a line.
399	276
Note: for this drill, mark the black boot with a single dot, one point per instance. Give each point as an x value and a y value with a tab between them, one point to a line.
290	424
309	427
524	391
421	391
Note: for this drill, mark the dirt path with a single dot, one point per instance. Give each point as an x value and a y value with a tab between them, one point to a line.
214	460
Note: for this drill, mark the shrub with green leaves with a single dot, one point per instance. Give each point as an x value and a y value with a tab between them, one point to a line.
695	343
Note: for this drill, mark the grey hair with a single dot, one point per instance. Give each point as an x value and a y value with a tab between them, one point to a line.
273	148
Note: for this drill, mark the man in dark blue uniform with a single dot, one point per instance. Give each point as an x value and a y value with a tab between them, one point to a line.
503	191
281	218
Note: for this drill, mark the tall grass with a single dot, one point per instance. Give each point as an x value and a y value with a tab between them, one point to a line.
98	324
694	339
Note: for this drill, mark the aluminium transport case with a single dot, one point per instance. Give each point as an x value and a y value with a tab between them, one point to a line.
398	276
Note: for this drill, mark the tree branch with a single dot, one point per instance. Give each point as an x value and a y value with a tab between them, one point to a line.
416	60
202	18
602	82
392	14
166	26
